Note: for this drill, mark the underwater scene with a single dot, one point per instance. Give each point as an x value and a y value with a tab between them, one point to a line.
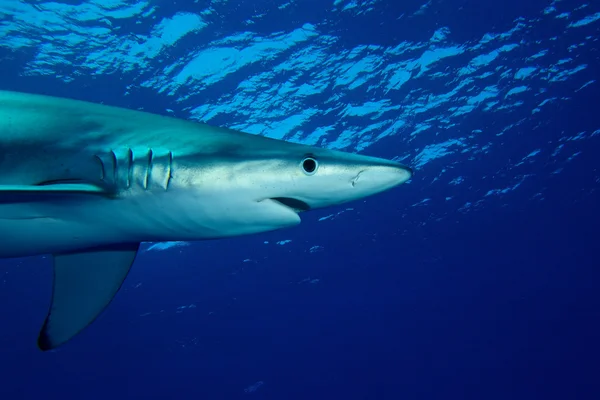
299	199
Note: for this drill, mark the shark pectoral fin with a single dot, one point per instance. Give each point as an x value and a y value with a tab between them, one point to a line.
84	285
53	188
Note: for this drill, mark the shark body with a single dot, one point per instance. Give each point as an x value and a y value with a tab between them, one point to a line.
88	183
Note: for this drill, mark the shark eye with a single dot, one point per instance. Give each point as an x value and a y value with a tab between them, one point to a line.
309	165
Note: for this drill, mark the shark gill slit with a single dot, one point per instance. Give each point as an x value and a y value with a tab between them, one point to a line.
114	161
148	175
129	167
169	168
102	169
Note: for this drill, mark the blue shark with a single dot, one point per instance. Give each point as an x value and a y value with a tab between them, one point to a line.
87	183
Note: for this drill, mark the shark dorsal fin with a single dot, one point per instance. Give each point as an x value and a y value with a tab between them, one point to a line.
84	284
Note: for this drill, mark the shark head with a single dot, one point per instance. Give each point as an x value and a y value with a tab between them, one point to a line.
252	193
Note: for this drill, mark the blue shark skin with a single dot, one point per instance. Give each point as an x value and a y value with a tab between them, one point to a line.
87	183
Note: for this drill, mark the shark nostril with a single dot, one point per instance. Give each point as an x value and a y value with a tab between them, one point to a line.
355	179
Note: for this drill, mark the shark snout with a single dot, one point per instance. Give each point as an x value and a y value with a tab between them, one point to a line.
349	185
375	179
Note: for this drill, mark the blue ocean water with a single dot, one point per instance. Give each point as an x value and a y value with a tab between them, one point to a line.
478	279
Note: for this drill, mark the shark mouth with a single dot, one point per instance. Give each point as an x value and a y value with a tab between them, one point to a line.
294	204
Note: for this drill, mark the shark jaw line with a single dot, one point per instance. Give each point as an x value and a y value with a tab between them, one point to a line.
294	205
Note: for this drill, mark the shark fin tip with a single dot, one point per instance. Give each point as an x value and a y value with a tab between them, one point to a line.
44	342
